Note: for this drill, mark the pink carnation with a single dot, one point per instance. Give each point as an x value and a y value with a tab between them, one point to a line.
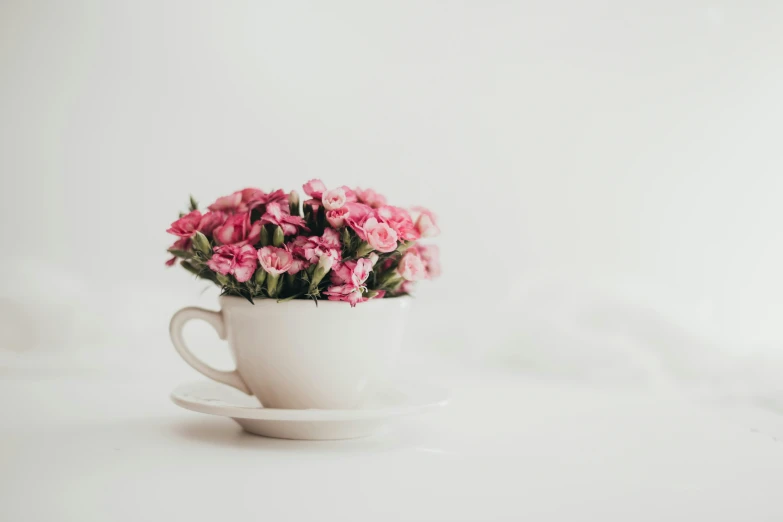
334	199
351	272
278	215
252	198
426	223
411	267
314	188
312	248
358	213
430	256
275	260
228	203
297	265
400	220
240	261
246	199
370	197
349	293
380	236
210	221
336	217
237	230
350	195
187	225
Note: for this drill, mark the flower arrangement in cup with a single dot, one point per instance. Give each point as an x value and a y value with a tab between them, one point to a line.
342	244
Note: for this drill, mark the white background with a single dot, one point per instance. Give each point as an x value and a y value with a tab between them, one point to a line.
608	176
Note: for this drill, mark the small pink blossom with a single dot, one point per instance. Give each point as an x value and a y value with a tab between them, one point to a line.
228	203
370	197
297	265
237	230
430	256
314	188
400	220
246	199
330	238
358	213
350	194
187	225
349	293
312	248
210	221
277	214
426	223
334	199
336	217
240	261
252	198
411	267
275	260
351	272
380	236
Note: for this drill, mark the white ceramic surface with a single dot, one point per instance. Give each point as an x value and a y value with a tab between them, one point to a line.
217	399
296	355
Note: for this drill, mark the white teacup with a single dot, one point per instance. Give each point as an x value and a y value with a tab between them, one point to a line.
296	355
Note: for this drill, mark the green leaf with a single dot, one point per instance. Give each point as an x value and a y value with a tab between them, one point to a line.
201	243
405	245
364	249
193	204
247	296
180	253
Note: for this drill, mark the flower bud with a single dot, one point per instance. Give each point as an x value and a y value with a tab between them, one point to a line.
201	243
293	203
373	257
325	264
278	238
260	276
222	279
272	286
264	236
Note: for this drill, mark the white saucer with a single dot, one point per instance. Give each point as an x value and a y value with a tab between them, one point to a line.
218	399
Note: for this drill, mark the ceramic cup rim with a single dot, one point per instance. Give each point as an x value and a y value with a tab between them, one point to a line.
229	301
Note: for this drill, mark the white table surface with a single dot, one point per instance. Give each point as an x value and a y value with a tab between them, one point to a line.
98	447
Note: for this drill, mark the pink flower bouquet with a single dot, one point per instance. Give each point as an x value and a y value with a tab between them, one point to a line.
347	245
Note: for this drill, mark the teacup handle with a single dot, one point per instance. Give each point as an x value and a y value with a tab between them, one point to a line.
179	321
